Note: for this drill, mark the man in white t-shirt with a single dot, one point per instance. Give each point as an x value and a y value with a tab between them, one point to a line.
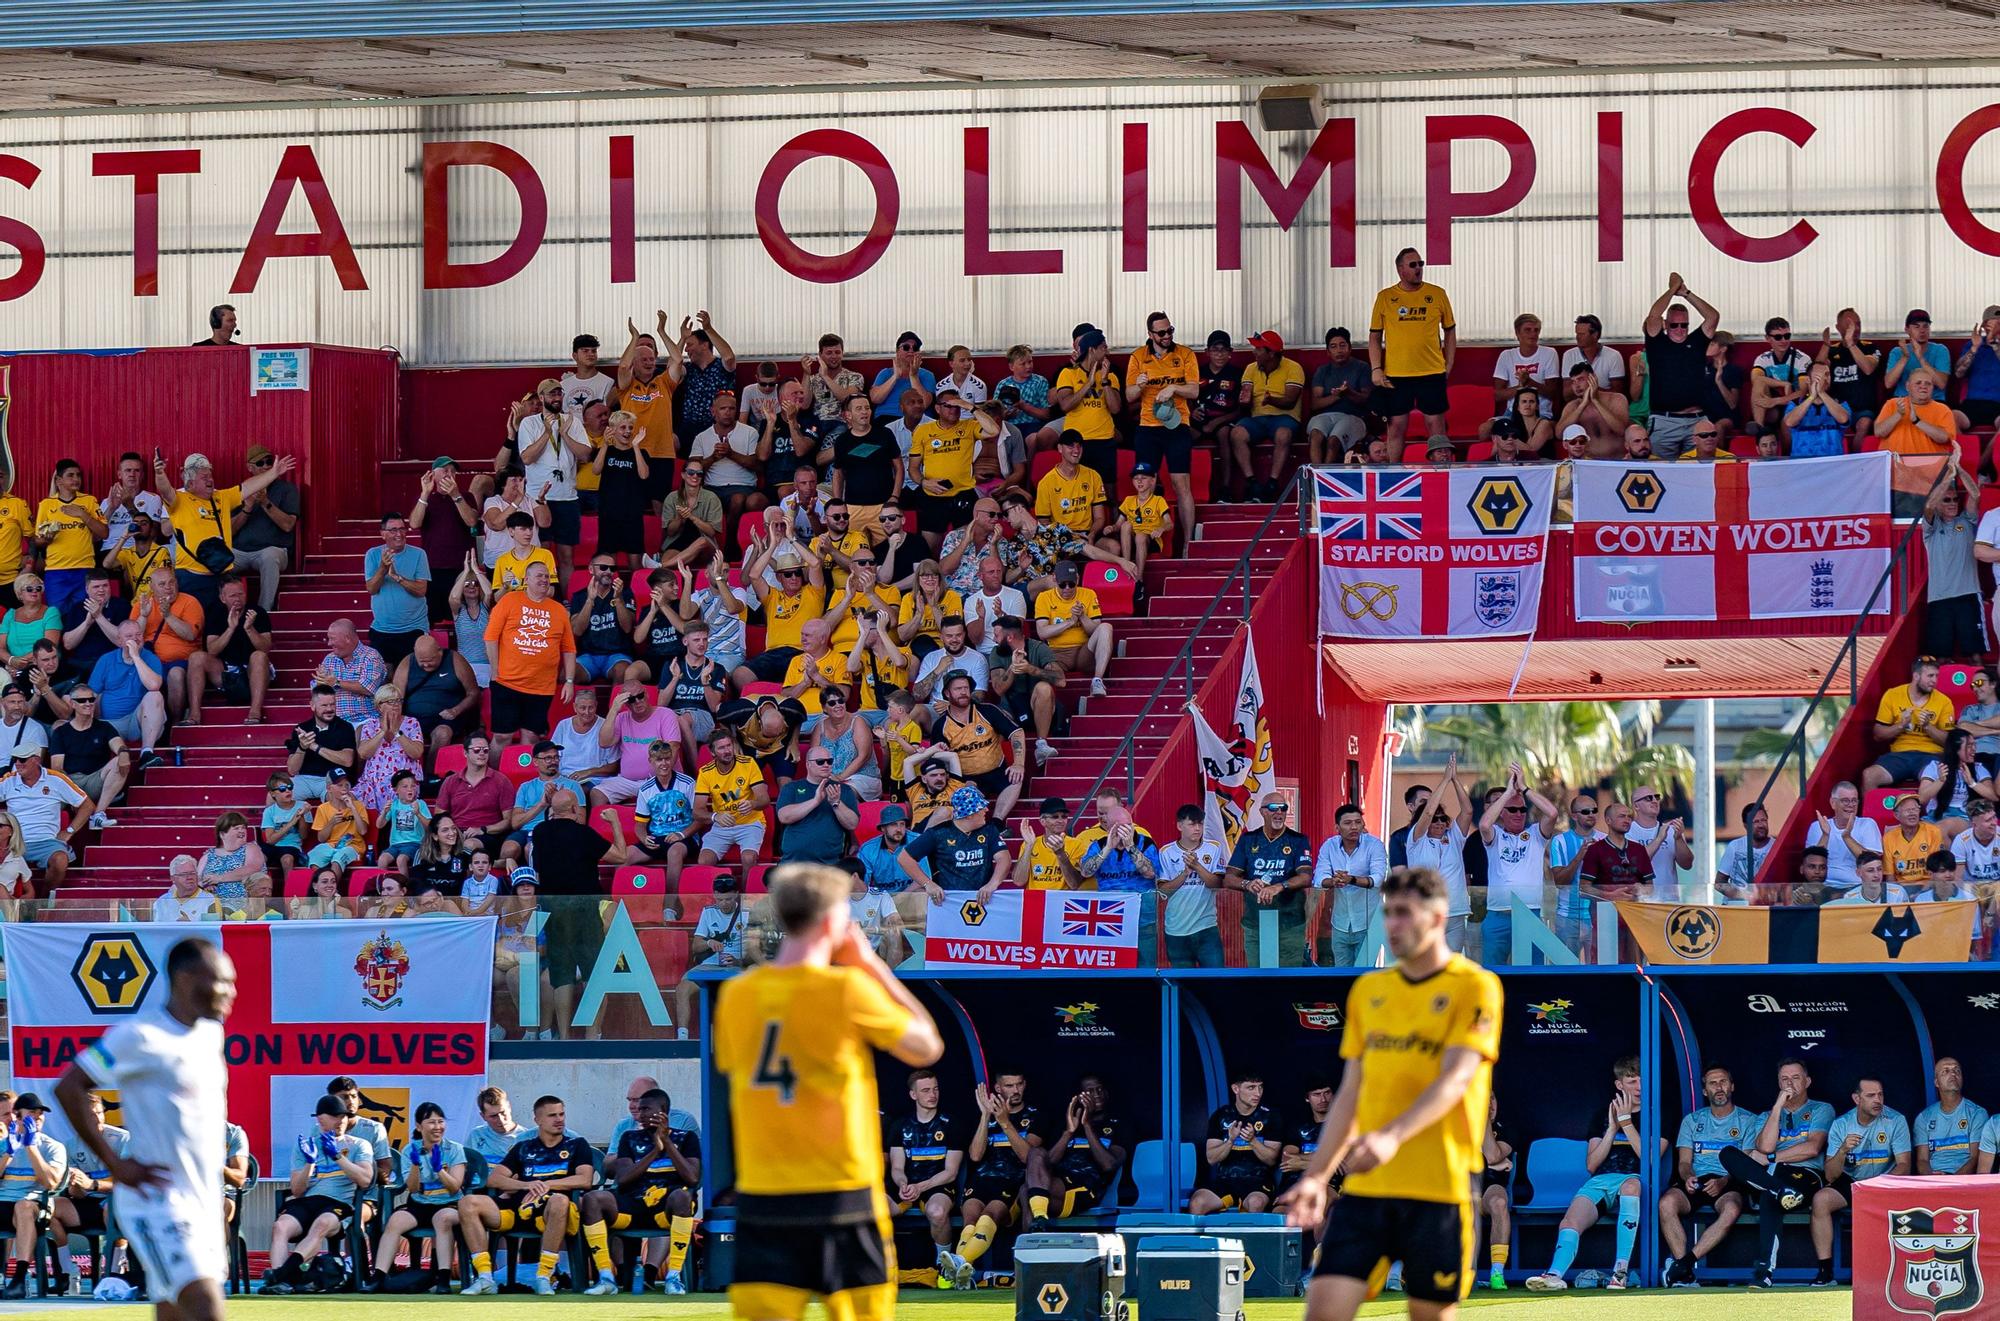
1666	841
1845	834
927	684
1437	841
1744	856
1517	852
993	602
166	1065
1190	871
1605	361
1977	847
549	443
1528	363
728	446
583	384
577	735
15	726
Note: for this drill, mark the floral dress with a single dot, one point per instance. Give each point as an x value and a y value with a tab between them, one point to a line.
389	760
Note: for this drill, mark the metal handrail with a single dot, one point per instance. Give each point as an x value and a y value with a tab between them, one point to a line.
1849	652
1185	658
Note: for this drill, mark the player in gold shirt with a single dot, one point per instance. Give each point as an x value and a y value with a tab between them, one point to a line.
794	1037
1407	362
1409	1121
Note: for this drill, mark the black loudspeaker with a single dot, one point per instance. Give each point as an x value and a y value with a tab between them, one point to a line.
1293	107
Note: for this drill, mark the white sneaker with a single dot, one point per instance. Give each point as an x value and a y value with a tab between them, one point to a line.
543	1284
98	821
1043	751
1547	1282
1097	688
672	1283
484	1284
605	1285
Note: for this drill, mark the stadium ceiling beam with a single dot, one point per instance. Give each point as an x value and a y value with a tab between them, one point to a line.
528	66
1127	48
224	72
1748	34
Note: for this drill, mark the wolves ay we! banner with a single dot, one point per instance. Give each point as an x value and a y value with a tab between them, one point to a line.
1033	929
401	1007
1768	540
1430	552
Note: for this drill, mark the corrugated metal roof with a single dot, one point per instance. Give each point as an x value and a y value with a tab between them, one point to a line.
133	58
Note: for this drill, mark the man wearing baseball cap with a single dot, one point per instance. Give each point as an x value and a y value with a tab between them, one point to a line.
550	444
1916	349
35	1163
448	530
1069	618
1163	379
906	371
37	797
1216	409
1412	340
1979	368
966	852
1272	388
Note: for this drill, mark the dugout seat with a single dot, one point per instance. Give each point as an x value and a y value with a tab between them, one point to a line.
239	1247
1155	1184
1554	1170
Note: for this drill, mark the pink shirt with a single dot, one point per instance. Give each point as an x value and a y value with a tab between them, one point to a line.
636	736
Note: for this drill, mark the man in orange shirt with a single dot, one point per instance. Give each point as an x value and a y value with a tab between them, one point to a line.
528	637
1918	423
1163	379
170	625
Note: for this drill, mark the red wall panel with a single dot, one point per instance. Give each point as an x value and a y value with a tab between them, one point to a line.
92	408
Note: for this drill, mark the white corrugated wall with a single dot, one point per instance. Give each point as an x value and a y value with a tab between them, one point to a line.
1865	181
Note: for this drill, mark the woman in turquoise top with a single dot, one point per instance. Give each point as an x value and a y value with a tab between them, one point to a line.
28	623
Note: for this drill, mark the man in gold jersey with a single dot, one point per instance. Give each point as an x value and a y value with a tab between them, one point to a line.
794	1036
1408	1122
1412	340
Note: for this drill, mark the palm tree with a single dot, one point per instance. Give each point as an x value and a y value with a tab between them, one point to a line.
1562	745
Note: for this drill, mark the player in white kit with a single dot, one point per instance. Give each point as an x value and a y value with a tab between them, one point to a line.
168	1068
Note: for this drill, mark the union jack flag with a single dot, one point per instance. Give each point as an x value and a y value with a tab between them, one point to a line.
1092	917
1369	505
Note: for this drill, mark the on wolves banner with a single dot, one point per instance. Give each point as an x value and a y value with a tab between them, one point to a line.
1431	552
1033	929
1673	934
1236	769
1926	1247
394	1005
1731	540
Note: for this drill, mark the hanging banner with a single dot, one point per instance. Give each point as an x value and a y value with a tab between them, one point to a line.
1676	934
388	1004
1033	929
1431	552
1765	540
1235	770
1918	1249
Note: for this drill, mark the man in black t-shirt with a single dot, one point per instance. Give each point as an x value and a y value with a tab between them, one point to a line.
1007	1130
89	752
601	616
1677	366
1854	362
1219	404
1241	1151
566	854
654	1182
968	852
1302	1138
926	1148
317	744
867	467
238	636
561	1167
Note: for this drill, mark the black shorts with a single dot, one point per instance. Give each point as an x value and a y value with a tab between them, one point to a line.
1433	1240
426	1213
644	1208
991	783
1078	1196
990	1186
770	664
1173	446
1844	1185
1426	394
571	939
235	684
820	1244
305	1210
565	523
89	1214
942	513
1232	1186
514	709
1701	1200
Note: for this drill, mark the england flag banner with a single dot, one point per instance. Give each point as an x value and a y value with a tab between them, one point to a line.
1033	929
401	1007
1765	540
1431	552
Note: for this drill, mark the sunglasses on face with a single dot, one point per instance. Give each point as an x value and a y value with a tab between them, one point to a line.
1781	339
1705	435
1647	798
1163	331
1677	325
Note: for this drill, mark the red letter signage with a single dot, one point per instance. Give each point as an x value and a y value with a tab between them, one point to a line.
624	253
1971	230
20	235
980	258
440	271
1237	155
145	167
1726	238
1133	229
1444	204
1611	185
856	151
298	168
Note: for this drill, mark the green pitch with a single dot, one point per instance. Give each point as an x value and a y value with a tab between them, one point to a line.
926	1305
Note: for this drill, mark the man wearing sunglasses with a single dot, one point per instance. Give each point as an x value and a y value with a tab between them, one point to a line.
1676	362
1777	378
1572	924
1667	841
1517	856
1272	867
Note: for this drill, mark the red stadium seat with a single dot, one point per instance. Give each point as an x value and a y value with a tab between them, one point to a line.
752	521
635	879
1955	682
450	757
645	910
1479	451
586	543
1041	465
1743	447
517	762
360	878
666	950
1114	587
627	814
871	821
1201	476
754	882
701	880
763	689
1879	805
578	580
298	882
